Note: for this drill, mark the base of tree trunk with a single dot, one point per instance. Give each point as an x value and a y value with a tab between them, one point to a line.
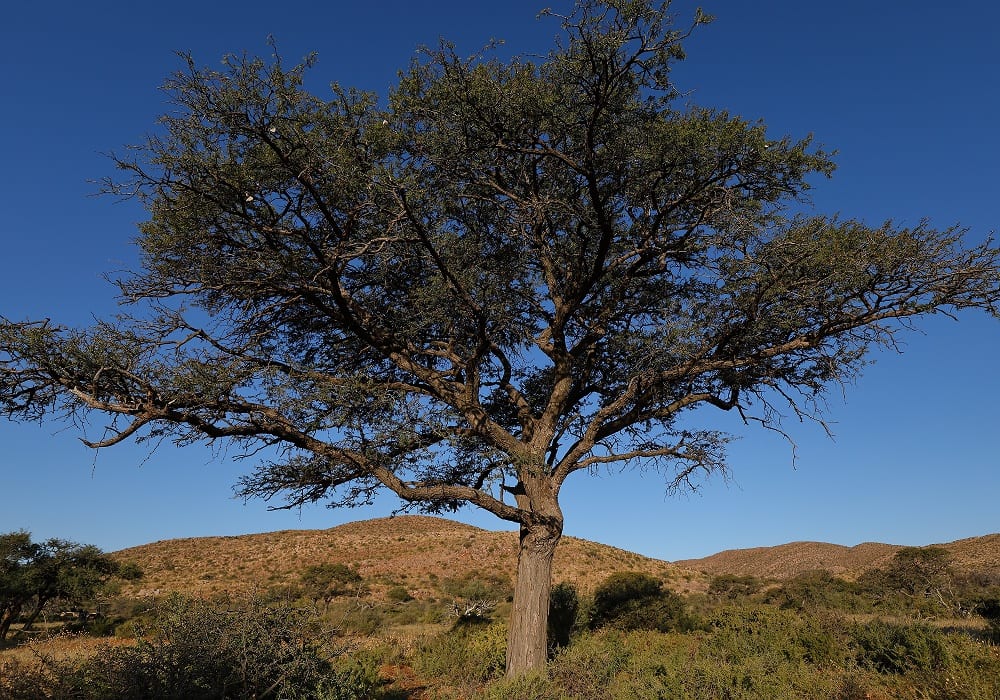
527	641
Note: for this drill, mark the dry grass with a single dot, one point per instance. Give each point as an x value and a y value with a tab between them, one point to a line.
58	648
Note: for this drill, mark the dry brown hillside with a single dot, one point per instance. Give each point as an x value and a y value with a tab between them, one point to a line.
412	551
786	560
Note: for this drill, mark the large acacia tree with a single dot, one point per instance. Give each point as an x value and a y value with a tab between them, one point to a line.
507	272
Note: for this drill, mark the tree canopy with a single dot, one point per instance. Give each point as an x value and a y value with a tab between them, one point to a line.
504	273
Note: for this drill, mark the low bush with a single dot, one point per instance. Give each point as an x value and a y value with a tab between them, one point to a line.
761	631
398	594
989	609
198	649
469	654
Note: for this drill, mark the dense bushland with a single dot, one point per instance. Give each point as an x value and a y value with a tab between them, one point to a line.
894	633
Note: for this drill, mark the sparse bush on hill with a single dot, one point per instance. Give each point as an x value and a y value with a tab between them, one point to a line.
398	594
477	585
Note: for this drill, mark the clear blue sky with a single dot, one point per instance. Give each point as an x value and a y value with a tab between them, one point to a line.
906	90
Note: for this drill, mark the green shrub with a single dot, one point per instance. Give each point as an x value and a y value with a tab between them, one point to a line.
363	620
989	609
532	686
899	648
635	601
732	587
784	635
564	604
587	667
398	594
468	654
643	665
623	587
817	589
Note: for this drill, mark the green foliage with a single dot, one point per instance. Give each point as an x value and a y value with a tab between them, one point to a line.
900	648
920	581
414	611
468	654
636	601
914	571
33	574
620	590
564	604
758	631
327	581
610	664
817	589
529	686
733	587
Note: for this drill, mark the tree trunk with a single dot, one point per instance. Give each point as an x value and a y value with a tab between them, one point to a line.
7	615
527	647
28	623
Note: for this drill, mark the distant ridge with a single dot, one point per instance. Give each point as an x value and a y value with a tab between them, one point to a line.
787	560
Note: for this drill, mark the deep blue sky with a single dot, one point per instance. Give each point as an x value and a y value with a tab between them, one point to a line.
905	90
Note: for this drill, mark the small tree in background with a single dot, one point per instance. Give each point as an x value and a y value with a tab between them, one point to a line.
513	272
33	574
921	574
328	581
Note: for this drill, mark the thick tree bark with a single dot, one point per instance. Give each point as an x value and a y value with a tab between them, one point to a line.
527	646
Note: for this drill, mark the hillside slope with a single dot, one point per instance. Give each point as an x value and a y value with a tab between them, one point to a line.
413	551
418	552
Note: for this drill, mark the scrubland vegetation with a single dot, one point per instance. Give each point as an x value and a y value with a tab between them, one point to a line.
915	628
